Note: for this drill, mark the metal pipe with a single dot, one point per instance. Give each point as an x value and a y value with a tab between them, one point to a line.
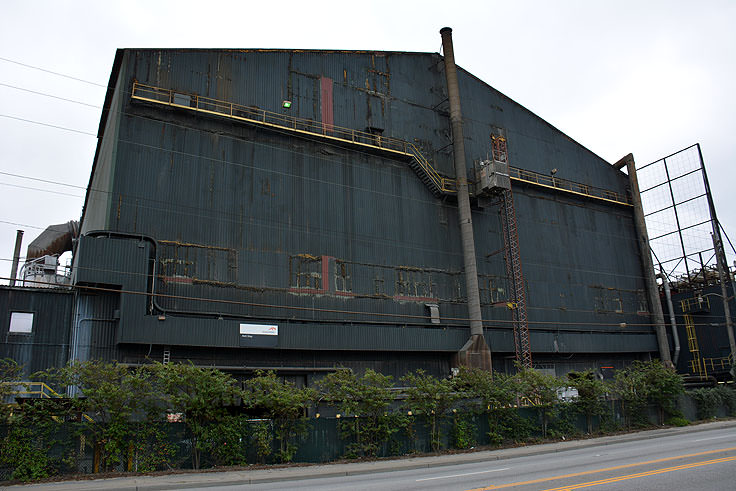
646	259
671	309
16	257
724	295
463	201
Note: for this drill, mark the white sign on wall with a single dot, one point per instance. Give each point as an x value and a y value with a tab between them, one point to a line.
259	329
259	335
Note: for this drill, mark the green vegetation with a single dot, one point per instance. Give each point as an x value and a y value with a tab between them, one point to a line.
430	398
642	383
708	400
363	402
283	403
164	416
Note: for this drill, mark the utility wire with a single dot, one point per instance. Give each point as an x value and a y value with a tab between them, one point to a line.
219	215
275	224
50	95
41	190
69	129
21	225
52	72
43	180
47	124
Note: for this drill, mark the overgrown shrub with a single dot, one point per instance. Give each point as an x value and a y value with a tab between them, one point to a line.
283	403
33	431
538	390
365	401
200	394
108	395
430	398
590	400
642	382
463	430
709	399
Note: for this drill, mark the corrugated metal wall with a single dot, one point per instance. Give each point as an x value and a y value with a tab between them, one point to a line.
260	224
47	345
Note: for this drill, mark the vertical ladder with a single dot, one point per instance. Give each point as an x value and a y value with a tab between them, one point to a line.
513	271
167	355
696	365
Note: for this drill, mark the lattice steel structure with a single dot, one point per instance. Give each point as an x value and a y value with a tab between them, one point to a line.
680	217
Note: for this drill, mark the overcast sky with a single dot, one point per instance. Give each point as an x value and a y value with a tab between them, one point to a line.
648	78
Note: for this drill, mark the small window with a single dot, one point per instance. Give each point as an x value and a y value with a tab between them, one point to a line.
21	323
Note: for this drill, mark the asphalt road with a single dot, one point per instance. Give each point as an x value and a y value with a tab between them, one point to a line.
702	457
701	461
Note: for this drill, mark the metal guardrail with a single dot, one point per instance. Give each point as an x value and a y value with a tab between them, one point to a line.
36	390
256	115
694	304
568	186
260	116
702	366
30	390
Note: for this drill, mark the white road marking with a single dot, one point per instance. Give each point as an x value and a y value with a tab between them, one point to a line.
461	475
714	438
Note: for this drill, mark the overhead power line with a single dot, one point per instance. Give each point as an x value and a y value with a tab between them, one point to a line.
52	72
47	124
41	190
42	180
50	95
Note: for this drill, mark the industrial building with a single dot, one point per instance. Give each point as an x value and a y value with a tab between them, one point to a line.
302	210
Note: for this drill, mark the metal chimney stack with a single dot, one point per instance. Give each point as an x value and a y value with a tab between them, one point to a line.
475	352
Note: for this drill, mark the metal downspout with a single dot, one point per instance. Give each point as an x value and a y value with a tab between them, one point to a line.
642	236
671	309
476	352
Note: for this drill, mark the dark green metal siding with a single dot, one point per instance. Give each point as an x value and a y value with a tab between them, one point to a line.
242	214
48	343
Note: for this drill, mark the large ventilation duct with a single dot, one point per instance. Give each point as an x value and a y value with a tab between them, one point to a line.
56	239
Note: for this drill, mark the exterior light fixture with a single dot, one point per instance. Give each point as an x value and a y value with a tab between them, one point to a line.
286	104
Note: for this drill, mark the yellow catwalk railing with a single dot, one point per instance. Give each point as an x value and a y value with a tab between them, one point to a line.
440	184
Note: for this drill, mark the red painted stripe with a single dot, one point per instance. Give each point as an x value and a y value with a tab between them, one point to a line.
325	273
326	104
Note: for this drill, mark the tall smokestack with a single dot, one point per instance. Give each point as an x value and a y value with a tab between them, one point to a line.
475	353
16	257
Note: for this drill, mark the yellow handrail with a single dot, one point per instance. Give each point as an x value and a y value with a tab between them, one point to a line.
253	114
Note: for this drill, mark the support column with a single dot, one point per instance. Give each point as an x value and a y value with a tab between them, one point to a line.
723	279
475	352
655	305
